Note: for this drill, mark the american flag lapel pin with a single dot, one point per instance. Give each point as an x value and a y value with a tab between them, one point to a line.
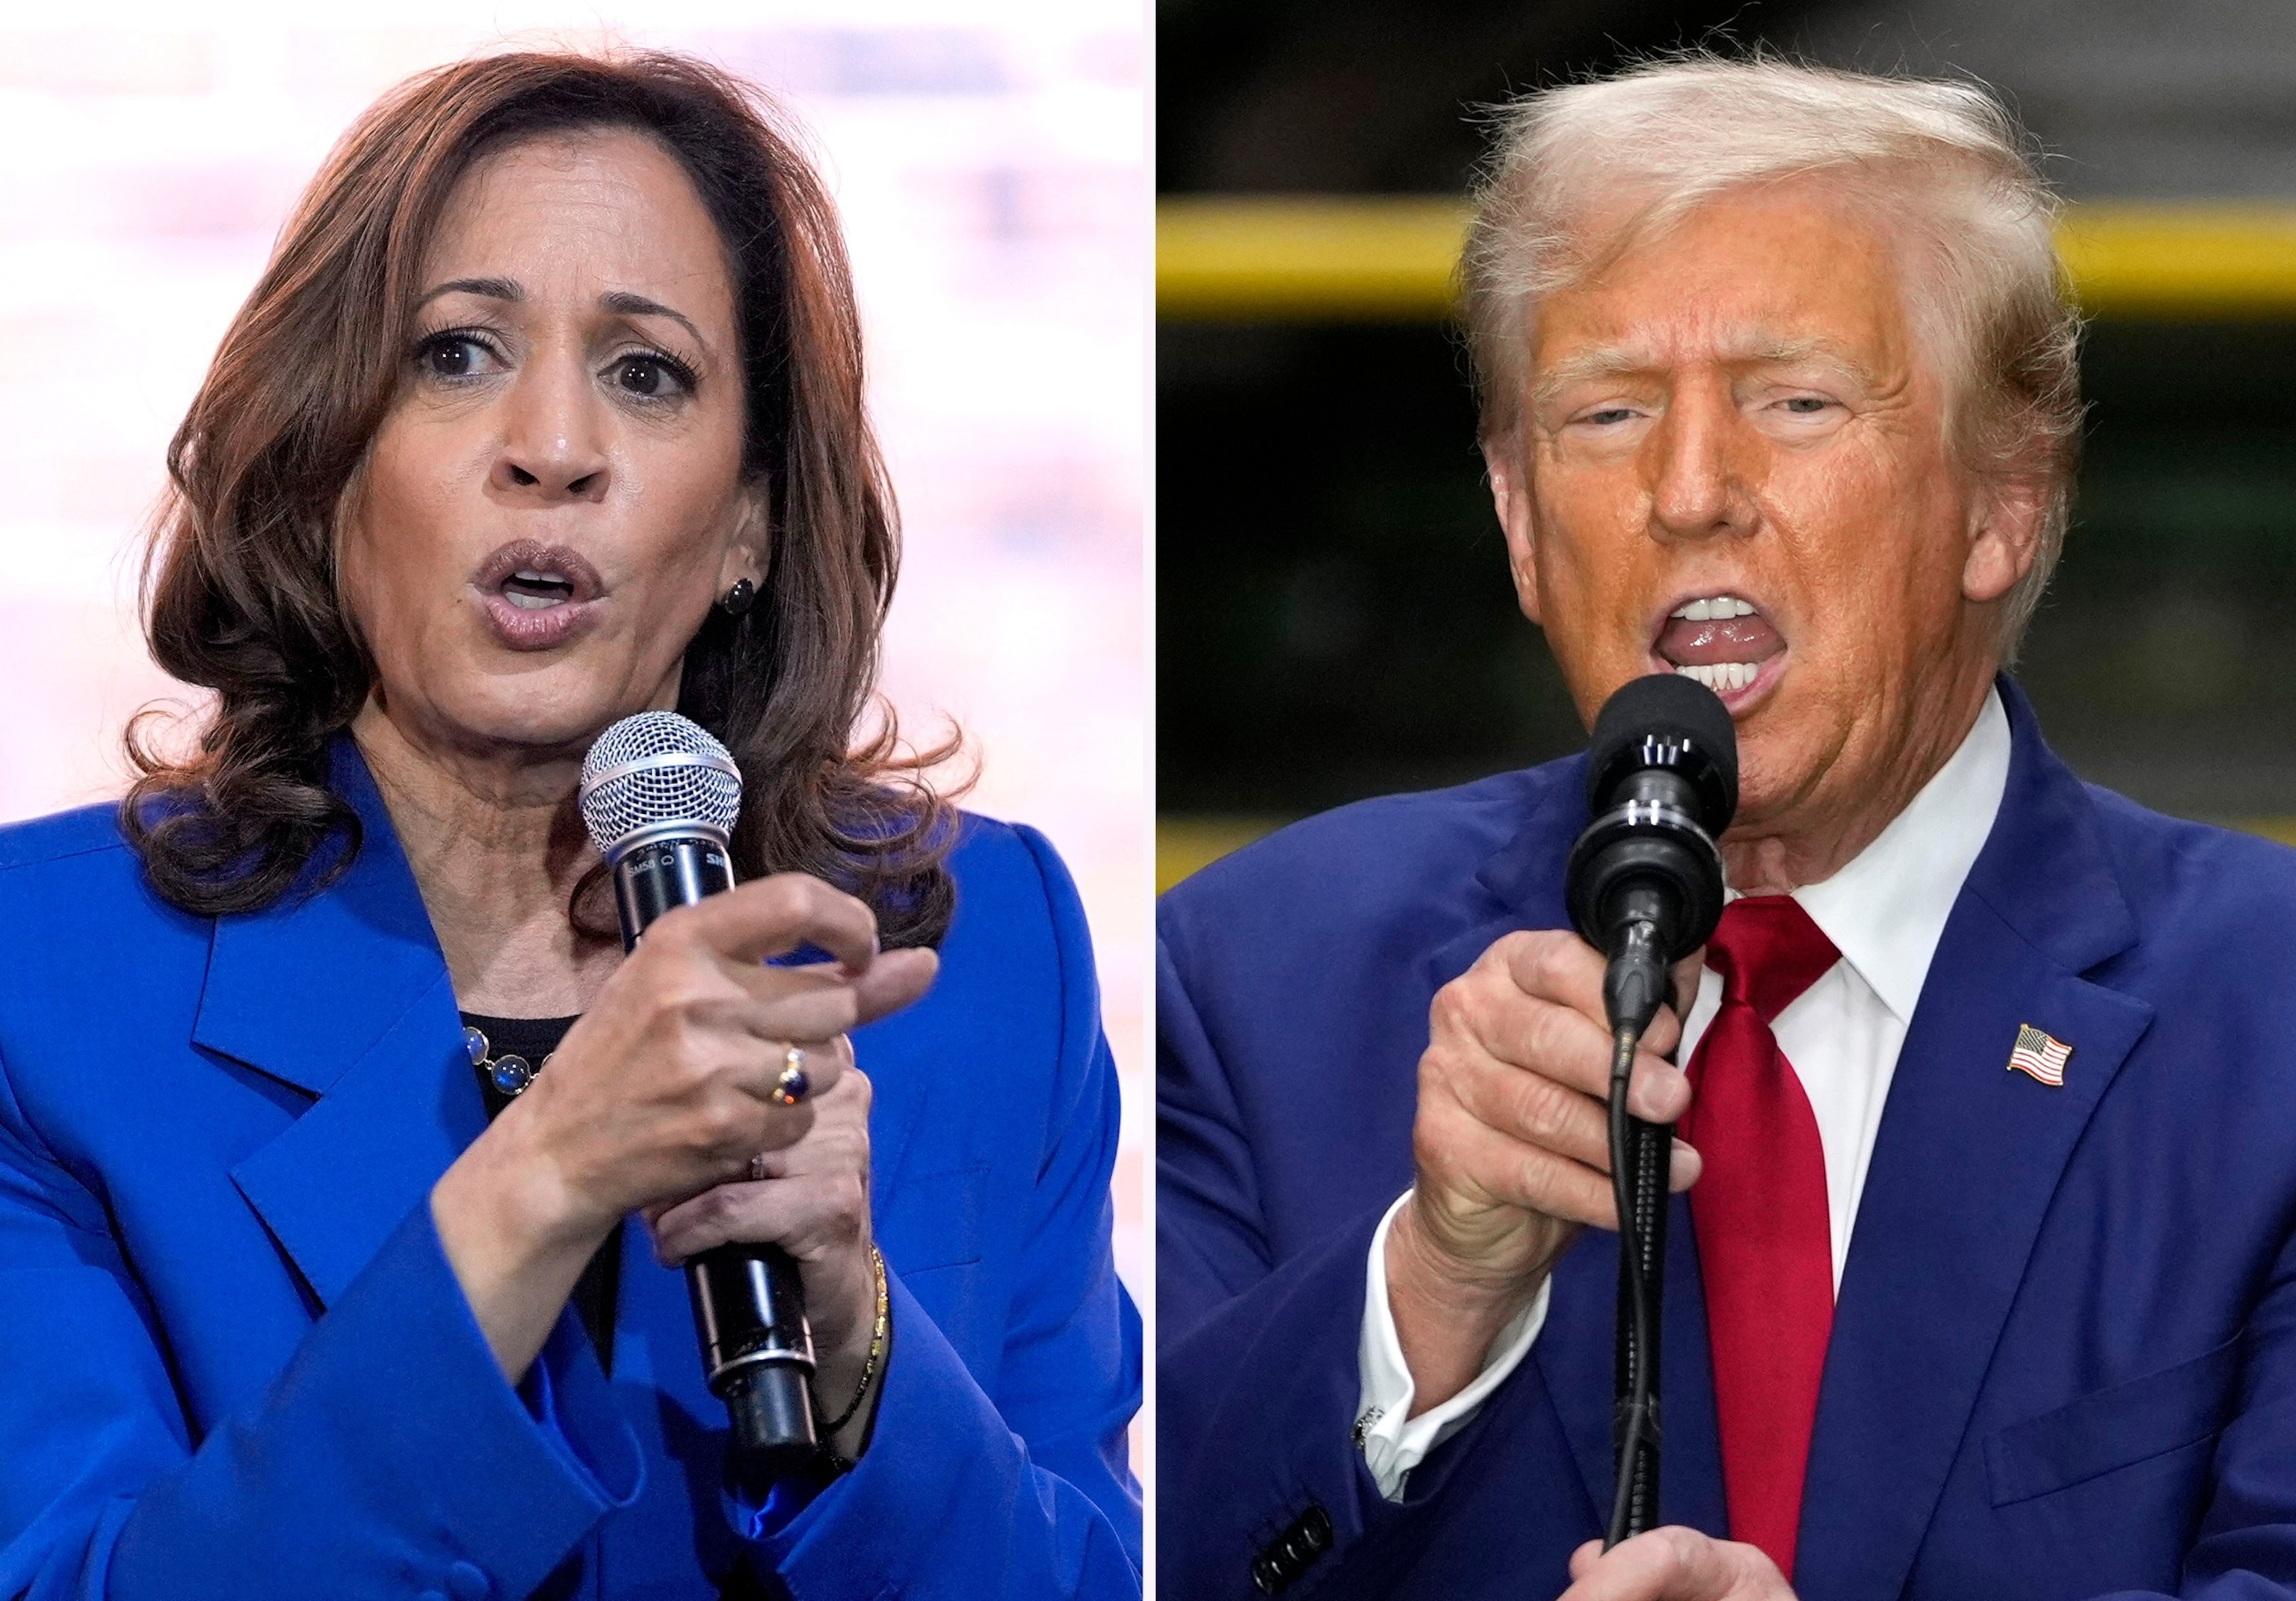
2040	1056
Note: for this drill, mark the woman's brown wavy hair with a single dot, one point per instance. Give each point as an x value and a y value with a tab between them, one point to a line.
241	592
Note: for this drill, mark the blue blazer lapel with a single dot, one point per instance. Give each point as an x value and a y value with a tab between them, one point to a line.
1967	1158
1521	883
344	996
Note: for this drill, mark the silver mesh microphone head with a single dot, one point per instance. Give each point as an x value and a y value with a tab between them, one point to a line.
654	770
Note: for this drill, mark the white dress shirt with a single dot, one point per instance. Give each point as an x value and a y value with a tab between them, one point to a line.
1885	912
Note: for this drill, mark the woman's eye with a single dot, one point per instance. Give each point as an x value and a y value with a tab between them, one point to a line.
651	377
455	356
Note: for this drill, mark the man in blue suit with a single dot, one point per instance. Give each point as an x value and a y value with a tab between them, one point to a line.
1980	1283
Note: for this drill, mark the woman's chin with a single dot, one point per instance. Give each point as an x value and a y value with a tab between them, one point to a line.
553	714
542	677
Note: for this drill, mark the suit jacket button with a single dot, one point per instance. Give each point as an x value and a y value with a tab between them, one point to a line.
1267	1575
1316	1529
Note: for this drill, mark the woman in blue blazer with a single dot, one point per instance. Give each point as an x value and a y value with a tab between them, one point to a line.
345	1162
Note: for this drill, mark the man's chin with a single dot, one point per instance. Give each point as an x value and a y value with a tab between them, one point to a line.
1776	776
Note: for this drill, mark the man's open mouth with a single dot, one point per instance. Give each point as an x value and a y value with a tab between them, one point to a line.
1723	641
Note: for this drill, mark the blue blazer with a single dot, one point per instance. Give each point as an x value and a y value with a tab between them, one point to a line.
235	1364
2063	1358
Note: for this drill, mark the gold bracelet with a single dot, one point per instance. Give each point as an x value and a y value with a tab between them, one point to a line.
876	1348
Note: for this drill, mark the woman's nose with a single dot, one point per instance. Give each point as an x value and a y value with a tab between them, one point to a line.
552	448
549	476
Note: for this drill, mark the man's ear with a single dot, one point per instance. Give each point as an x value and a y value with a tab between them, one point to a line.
2007	538
1509	470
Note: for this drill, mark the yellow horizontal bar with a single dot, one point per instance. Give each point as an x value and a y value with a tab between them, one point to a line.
2283	829
2182	261
1390	258
1227	258
1185	843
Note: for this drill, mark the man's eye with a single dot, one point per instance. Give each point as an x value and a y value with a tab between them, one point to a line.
1610	414
1808	406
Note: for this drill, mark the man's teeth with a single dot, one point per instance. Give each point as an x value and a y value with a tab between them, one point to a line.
1717	607
1724	676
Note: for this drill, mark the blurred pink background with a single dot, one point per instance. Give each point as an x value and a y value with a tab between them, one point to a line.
990	159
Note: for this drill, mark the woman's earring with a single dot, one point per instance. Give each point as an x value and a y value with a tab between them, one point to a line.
737	600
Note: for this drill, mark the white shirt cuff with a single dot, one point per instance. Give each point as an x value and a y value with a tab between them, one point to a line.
1393	1441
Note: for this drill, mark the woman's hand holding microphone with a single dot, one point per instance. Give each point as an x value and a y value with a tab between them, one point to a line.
660	1099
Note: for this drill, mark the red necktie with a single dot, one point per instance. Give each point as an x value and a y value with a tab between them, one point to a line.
1765	1240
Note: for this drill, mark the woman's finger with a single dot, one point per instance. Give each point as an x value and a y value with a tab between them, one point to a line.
839	1140
803	1218
832	1001
761	1078
890	983
832	1139
773	917
781	1128
797	1012
894	979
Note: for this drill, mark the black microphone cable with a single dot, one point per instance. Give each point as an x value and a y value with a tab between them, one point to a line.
1632	992
1633	1507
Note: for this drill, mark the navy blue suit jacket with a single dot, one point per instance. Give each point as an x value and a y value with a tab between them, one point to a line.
235	1364
2063	1358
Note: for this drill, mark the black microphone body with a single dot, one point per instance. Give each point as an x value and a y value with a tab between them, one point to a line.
681	789
749	1301
1645	887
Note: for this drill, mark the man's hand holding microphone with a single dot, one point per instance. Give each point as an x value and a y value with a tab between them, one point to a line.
1510	1143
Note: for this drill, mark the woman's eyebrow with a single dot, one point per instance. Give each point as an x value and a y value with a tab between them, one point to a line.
626	304
493	289
622	302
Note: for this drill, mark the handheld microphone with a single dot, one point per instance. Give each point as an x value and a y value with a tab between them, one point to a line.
659	796
1645	888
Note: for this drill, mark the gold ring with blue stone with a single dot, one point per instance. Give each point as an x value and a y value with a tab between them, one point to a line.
792	1085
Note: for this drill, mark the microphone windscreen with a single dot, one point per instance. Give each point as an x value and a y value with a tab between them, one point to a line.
1667	707
653	768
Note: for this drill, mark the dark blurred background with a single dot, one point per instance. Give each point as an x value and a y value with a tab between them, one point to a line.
1335	618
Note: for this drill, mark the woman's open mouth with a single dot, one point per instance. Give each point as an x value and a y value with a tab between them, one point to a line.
535	596
1724	642
532	591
